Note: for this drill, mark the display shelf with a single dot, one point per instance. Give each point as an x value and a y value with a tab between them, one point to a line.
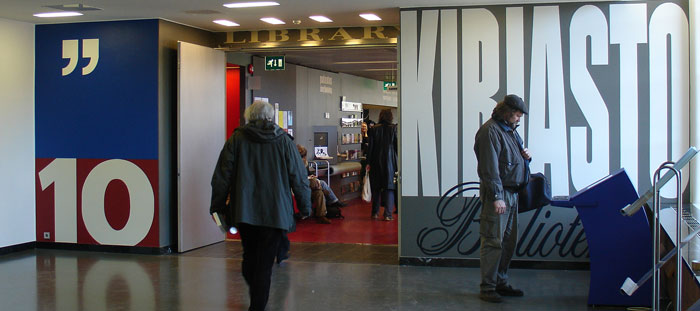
350	138
350	174
350	187
349	144
350	122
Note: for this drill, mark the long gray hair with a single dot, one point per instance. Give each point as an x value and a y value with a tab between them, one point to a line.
259	110
502	111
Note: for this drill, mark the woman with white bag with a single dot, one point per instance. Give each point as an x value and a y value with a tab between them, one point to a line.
382	164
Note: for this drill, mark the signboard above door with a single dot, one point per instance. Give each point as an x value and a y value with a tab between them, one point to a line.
274	63
309	38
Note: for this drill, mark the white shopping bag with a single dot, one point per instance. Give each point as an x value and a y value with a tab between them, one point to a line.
366	190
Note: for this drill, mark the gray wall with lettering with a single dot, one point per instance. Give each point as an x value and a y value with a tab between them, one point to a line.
310	93
585	70
319	92
278	86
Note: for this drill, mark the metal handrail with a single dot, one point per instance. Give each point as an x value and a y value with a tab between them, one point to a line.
631	209
314	163
657	234
629	286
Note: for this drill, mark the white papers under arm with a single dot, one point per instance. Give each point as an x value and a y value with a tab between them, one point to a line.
220	222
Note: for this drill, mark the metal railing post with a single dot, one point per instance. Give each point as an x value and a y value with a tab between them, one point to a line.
657	234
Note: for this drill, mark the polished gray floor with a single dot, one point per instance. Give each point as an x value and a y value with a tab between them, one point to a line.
209	279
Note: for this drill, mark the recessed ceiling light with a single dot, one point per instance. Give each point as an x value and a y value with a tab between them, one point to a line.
370	17
226	22
250	4
77	7
321	19
272	20
58	14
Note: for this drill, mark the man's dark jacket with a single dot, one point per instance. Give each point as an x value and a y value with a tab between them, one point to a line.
382	156
258	167
499	162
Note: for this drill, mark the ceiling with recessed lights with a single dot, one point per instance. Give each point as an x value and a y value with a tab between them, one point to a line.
376	63
202	13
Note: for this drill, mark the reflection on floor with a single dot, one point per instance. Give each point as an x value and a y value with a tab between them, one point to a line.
312	252
356	228
209	279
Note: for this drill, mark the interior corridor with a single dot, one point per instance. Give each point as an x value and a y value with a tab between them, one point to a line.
316	277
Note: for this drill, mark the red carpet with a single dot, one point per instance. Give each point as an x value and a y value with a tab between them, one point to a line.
356	228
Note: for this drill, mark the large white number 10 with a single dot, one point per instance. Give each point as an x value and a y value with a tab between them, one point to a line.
62	173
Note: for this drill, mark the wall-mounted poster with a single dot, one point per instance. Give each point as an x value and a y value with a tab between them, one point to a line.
346	105
321	152
606	85
97	133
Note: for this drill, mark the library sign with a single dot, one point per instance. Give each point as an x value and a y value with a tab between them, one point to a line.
310	37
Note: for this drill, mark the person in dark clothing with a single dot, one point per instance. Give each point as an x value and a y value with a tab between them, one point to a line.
502	165
382	166
283	250
257	167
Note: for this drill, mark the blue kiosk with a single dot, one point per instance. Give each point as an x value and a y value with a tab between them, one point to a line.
619	246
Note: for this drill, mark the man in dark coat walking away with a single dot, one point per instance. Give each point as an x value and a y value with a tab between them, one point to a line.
257	167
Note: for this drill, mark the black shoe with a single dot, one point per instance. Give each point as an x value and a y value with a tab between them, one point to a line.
323	220
507	290
282	258
338	204
490	296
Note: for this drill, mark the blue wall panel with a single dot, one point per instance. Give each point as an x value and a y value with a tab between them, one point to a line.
112	112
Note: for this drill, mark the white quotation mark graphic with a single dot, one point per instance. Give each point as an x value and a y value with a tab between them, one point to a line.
91	50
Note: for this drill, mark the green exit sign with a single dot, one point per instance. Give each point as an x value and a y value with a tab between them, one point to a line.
274	62
388	85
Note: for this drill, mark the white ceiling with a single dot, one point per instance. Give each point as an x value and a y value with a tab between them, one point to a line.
201	13
342	12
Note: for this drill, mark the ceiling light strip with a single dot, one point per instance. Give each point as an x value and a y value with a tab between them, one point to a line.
239	5
225	22
321	19
58	14
272	20
370	17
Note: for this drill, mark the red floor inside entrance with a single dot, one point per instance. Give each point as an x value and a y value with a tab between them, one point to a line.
356	228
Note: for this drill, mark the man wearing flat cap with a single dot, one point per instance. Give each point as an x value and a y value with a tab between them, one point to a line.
502	165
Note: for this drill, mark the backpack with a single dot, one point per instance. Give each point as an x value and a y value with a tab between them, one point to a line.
334	212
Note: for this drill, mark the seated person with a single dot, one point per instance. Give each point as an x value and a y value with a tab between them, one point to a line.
318	198
331	199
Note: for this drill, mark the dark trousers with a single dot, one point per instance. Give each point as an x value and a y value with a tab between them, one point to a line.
387	196
260	246
283	251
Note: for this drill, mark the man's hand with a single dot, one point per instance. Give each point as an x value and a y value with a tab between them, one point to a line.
526	154
499	206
